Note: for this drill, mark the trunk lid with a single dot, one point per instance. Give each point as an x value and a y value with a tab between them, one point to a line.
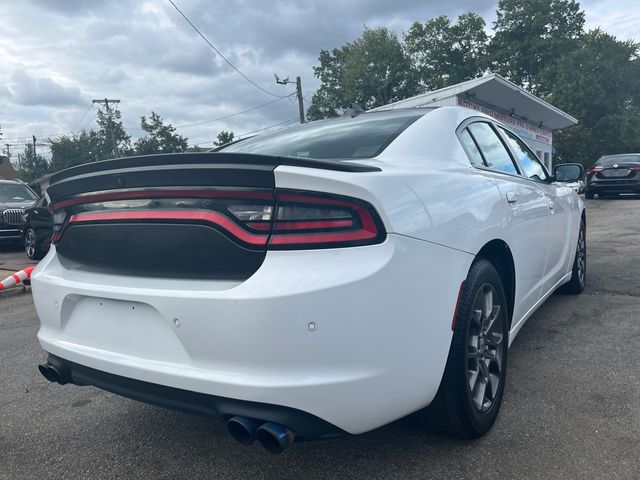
193	215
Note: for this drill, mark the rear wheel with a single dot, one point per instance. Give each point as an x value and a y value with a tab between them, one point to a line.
470	394
579	270
588	195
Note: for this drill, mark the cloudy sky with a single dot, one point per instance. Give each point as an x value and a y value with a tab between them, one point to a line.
58	55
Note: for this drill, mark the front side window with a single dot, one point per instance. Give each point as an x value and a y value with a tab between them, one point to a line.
493	150
528	161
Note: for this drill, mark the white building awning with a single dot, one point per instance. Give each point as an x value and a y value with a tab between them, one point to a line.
498	93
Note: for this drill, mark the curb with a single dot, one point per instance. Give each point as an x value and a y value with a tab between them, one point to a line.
10	292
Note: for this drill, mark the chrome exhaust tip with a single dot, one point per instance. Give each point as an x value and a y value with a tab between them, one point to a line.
53	373
274	437
243	429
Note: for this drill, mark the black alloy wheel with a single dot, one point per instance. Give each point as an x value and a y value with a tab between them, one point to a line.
472	387
579	270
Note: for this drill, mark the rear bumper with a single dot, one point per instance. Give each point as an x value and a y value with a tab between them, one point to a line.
622	187
307	426
382	317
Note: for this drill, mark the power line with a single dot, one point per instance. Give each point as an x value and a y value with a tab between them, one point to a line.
286	123
281	124
233	114
81	118
22	138
204	122
222	56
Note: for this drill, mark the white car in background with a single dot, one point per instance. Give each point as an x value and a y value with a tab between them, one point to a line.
324	279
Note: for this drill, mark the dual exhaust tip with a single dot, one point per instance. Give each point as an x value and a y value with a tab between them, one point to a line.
274	437
53	373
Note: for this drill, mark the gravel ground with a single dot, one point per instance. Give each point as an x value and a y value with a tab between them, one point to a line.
571	409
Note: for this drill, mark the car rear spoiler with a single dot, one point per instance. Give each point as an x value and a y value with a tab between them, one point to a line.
184	169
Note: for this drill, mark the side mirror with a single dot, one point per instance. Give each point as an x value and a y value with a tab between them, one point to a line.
568	172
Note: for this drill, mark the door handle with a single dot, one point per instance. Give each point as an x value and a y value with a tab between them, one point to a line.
512	197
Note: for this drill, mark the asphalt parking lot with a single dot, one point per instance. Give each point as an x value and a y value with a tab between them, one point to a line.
571	409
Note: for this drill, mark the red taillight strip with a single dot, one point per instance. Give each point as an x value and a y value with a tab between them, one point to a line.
325	237
204	216
312	224
264	226
301	224
165	193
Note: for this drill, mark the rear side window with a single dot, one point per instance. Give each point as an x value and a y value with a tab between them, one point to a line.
528	161
493	150
472	149
612	160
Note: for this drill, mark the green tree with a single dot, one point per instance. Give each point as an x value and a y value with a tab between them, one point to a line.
224	137
160	137
599	84
92	146
112	136
31	165
372	71
530	34
76	149
440	47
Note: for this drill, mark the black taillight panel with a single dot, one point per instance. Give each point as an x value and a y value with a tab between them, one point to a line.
282	219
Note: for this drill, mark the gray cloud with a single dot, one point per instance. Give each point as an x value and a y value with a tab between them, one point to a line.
25	89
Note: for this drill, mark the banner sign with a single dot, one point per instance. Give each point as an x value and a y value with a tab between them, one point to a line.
521	127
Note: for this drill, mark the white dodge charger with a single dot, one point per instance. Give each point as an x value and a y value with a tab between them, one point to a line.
324	279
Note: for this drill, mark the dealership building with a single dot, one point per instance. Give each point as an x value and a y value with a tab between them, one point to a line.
530	117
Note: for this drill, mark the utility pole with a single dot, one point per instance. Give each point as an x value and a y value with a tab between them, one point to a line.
34	159
300	102
110	114
298	93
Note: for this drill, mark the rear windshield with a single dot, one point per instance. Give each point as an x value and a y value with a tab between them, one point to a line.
613	159
15	193
363	136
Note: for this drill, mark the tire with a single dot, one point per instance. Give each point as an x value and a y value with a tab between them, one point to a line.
589	195
32	247
578	280
467	406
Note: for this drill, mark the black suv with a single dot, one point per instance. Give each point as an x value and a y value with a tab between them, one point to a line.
614	174
15	197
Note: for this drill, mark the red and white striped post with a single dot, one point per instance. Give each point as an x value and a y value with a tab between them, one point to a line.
16	278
